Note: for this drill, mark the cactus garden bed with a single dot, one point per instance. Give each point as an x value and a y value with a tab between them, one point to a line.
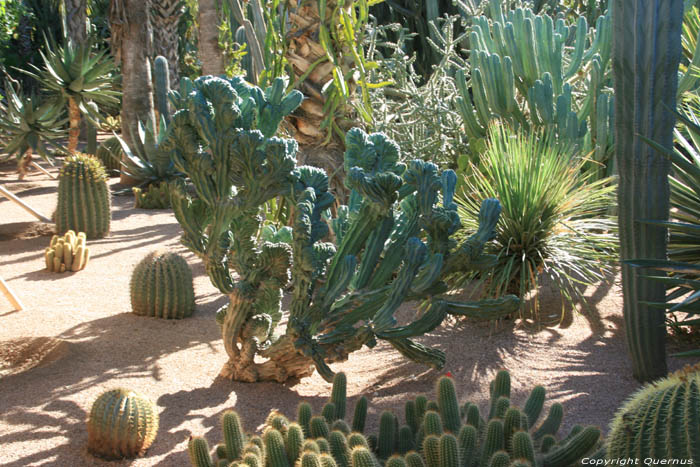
582	361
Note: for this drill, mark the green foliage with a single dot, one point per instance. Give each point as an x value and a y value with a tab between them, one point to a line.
121	424
75	72
83	197
660	421
161	286
29	123
554	219
152	197
393	240
463	447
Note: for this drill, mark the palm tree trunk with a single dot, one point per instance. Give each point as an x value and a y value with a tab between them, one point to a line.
76	20
74	120
166	18
132	20
209	52
23	166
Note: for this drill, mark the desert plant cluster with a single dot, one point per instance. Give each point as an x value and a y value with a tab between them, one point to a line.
352	177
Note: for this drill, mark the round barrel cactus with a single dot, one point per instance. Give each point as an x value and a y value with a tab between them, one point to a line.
121	424
83	197
660	421
109	153
161	286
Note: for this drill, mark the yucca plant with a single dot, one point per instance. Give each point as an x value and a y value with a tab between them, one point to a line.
77	76
29	125
554	219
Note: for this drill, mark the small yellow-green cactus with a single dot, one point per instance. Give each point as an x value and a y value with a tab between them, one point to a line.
67	253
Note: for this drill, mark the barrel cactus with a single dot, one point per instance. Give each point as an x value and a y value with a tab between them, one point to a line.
121	424
83	197
161	286
660	421
393	242
67	253
109	152
453	435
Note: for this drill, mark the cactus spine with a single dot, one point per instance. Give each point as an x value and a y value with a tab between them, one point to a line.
646	53
668	410
83	197
161	286
67	253
121	424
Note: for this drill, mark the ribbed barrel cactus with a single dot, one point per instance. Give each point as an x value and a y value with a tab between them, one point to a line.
392	243
161	286
453	435
121	424
83	197
660	421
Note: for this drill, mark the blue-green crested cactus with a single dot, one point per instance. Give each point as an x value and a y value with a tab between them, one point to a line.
393	241
535	71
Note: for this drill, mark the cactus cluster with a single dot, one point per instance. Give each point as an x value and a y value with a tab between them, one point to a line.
121	424
393	242
154	196
67	253
439	433
660	421
83	197
161	286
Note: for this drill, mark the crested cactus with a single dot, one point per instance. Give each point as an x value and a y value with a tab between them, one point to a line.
67	253
395	242
646	53
660	421
121	424
161	286
83	197
499	443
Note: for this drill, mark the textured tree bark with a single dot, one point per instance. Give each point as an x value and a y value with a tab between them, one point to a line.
166	18
209	52
74	121
76	20
137	87
23	166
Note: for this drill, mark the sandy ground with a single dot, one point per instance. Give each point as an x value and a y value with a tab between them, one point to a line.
101	345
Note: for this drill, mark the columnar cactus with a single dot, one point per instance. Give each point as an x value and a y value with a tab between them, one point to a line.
646	53
83	197
121	424
67	253
161	74
660	421
161	286
393	240
467	441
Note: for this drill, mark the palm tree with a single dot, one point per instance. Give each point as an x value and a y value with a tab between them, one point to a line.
130	26
76	20
79	77
166	18
210	54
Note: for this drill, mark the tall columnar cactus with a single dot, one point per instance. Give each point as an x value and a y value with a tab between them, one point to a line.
121	424
161	286
660	421
467	441
646	53
83	197
162	86
393	241
67	253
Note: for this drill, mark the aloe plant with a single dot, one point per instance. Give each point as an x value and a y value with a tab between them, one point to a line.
77	76
30	126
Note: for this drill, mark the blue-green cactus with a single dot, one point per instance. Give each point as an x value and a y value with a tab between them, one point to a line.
393	240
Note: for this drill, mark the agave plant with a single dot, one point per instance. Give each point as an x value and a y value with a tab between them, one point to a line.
145	161
681	272
29	126
77	76
554	219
